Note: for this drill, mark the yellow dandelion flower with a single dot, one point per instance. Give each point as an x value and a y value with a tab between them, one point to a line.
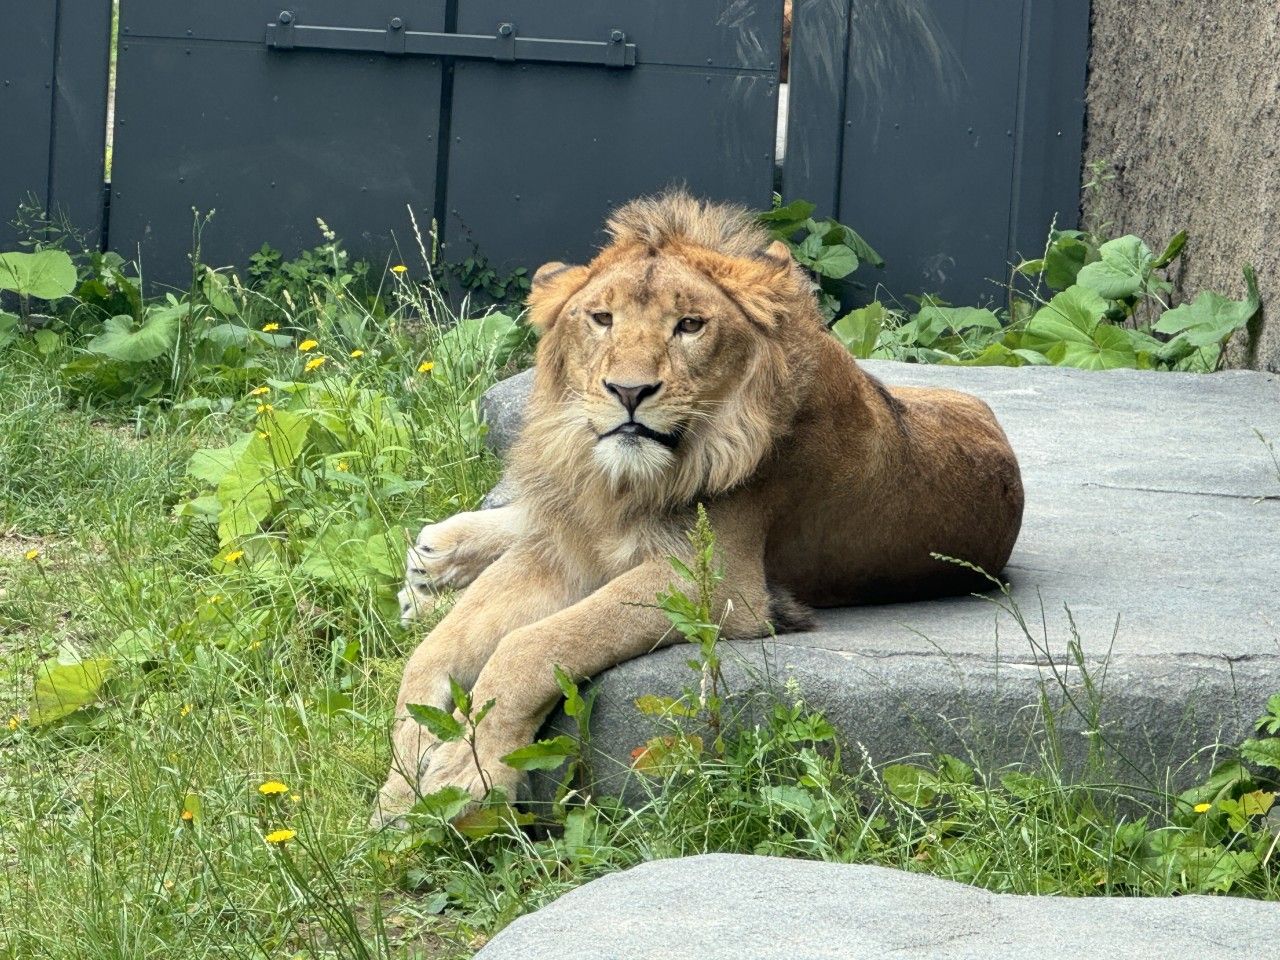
315	362
272	788
15	722
265	408
306	345
264	435
357	354
400	268
186	710
233	556
1203	807
187	816
280	837
259	391
31	555
270	327
295	798
214	600
343	466
426	366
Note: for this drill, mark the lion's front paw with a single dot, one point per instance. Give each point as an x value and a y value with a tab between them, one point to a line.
454	765
447	555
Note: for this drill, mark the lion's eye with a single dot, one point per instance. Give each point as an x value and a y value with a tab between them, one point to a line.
603	319
690	325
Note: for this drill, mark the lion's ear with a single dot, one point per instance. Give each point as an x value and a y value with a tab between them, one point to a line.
553	284
779	252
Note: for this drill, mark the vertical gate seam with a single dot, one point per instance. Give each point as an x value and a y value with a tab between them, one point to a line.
837	194
55	51
445	132
1019	135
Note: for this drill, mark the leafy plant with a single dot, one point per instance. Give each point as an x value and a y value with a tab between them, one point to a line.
47	274
1106	309
830	251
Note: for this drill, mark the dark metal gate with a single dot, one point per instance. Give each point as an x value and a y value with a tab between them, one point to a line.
514	124
53	109
948	132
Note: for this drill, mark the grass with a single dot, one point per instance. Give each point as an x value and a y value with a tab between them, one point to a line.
134	826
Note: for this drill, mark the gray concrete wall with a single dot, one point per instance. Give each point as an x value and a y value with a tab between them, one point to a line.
1184	109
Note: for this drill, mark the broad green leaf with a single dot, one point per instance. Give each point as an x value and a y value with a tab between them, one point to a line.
486	821
789	797
45	274
1171	251
247	496
859	330
215	288
1256	803
836	262
444	726
782	222
996	355
211	465
122	339
1270	721
911	784
48	342
1210	318
1070	315
62	688
1107	348
1066	255
542	755
1265	753
1122	270
445	804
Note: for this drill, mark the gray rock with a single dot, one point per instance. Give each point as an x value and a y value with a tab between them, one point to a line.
725	907
503	409
1153	517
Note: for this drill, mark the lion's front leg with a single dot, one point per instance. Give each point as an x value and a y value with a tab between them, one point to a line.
517	589
451	554
616	623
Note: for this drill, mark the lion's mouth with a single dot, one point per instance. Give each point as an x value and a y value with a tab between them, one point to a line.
632	430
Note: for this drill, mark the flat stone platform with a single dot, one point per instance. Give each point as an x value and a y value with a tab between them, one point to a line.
1152	524
724	907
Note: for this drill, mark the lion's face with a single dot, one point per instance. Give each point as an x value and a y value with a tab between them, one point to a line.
650	350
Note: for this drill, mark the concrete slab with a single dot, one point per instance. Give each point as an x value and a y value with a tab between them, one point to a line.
1153	517
724	907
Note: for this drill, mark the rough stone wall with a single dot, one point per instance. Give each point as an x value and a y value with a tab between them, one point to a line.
1184	110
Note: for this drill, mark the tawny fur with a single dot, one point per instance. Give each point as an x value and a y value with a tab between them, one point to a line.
823	486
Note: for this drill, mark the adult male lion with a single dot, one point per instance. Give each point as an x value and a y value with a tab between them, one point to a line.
686	364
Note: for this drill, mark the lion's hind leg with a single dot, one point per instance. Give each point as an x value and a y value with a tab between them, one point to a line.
449	555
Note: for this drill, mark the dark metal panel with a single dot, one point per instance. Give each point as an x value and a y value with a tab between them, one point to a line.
540	154
815	122
271	140
26	94
247	20
1047	177
79	140
733	34
932	99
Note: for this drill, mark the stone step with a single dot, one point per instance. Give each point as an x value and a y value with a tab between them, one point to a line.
727	907
1153	517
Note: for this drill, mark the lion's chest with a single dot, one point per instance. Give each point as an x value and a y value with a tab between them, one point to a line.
593	554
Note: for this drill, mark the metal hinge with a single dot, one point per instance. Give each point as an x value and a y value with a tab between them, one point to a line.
504	46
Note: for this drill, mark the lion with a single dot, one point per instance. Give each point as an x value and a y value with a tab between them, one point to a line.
687	364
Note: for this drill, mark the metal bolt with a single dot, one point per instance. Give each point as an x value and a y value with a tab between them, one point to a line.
617	36
396	23
286	16
505	29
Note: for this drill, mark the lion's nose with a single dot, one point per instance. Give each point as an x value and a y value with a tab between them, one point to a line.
631	395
